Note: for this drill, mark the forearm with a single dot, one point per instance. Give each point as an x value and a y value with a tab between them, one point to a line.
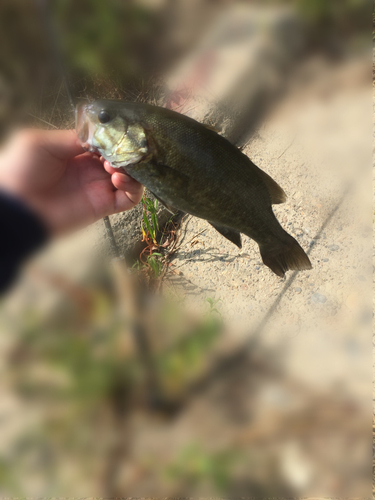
22	233
49	185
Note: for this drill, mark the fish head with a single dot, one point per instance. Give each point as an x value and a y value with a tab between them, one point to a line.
112	130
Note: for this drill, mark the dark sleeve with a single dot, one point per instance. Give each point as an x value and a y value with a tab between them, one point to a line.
21	234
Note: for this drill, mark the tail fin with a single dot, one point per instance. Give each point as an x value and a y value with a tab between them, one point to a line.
284	254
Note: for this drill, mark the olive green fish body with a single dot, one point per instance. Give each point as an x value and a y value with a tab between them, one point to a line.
194	169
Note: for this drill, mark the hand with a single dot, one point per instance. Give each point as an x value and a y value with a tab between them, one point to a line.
68	188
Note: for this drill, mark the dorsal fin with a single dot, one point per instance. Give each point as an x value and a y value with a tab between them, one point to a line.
211	127
276	192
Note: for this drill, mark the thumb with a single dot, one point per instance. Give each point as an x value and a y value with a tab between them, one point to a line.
62	144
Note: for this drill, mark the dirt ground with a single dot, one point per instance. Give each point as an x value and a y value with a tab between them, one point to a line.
315	322
313	147
297	347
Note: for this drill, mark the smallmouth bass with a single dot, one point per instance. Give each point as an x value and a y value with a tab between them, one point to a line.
190	167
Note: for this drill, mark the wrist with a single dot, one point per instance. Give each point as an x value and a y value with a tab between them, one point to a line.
21	219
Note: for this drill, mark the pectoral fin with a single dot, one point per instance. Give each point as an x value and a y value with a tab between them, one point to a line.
158	174
168	207
229	234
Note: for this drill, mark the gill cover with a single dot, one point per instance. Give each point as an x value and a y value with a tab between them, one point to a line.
122	146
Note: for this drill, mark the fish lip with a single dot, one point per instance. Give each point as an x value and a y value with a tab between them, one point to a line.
83	129
81	123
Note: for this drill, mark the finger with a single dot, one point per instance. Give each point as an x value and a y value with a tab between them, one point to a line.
90	165
108	168
126	184
62	144
112	170
125	200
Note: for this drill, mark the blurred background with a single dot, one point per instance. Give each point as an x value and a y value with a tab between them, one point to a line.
191	371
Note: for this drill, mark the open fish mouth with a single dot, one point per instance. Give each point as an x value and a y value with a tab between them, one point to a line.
81	124
85	128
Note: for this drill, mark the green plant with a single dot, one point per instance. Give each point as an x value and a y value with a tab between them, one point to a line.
150	209
155	263
137	265
185	360
194	466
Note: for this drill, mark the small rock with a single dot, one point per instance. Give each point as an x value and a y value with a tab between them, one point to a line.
333	248
298	289
325	260
318	298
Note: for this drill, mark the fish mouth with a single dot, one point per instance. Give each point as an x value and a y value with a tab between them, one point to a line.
81	123
84	127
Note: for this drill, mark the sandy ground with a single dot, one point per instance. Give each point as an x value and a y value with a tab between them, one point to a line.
315	323
314	146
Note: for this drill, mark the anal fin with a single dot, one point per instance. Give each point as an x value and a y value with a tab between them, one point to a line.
228	233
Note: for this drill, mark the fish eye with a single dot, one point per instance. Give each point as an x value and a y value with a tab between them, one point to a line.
104	116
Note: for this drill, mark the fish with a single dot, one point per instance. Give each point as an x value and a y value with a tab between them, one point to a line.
190	167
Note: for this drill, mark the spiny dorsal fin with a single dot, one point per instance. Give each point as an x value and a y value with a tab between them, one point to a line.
211	127
276	192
